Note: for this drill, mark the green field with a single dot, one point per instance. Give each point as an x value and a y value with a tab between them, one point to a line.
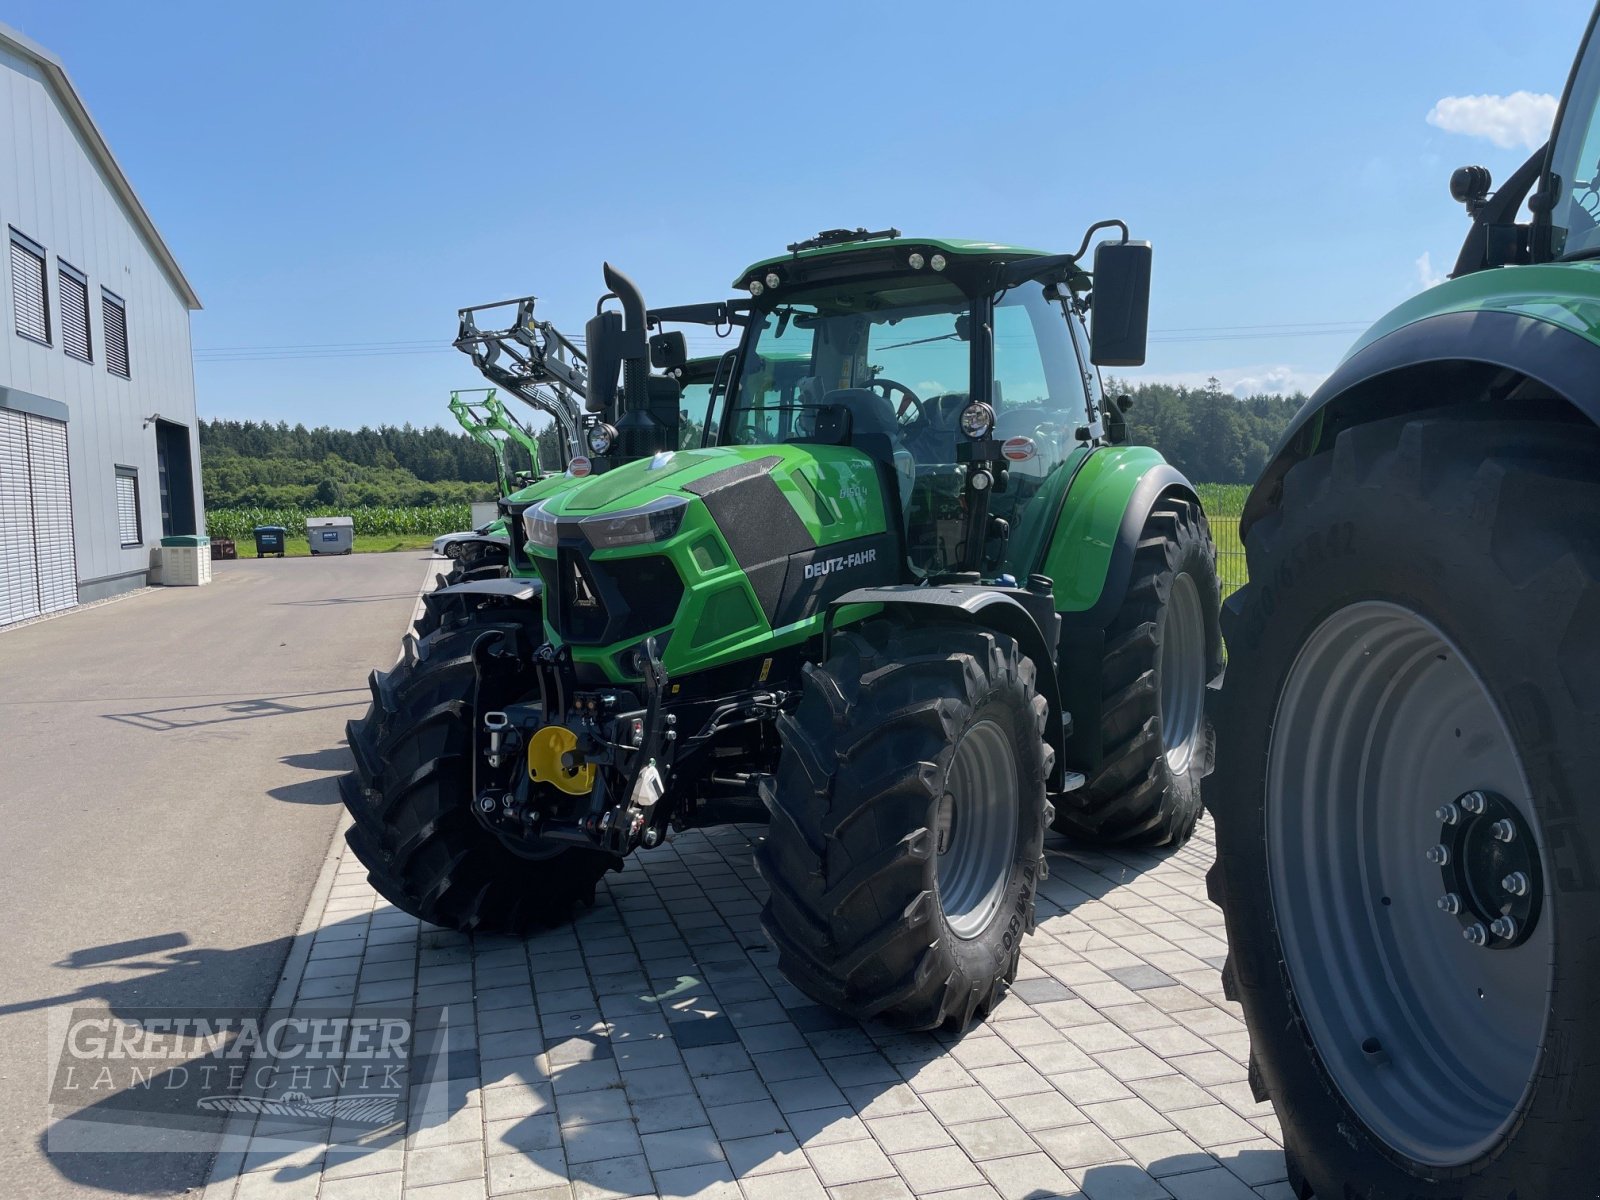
419	521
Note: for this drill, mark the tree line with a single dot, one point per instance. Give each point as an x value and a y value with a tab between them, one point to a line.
1207	433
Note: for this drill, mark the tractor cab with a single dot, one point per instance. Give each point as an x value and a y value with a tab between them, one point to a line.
965	366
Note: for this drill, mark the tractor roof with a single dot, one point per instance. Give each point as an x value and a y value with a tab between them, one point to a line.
841	243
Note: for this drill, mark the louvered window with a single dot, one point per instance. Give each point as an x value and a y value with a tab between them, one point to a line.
128	506
73	294
114	316
28	290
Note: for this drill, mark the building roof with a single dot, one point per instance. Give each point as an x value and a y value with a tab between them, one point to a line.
27	48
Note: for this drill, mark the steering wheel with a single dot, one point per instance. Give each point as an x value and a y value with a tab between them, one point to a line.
889	387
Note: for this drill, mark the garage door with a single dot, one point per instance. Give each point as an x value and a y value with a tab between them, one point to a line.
38	570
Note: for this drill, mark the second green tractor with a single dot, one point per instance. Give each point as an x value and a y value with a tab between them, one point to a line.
907	594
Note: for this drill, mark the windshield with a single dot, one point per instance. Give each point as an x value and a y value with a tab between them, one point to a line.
898	358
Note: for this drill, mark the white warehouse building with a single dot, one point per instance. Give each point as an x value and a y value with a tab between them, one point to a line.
99	451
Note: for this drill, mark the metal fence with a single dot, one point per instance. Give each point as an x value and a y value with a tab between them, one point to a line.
1224	503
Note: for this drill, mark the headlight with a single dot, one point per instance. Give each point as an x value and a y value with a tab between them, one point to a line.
653	522
977	419
772	279
755	287
601	438
916	261
937	262
539	527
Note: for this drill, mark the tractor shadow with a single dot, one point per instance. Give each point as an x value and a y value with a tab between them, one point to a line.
651	1046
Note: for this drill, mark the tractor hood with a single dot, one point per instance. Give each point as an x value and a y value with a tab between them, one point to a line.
711	551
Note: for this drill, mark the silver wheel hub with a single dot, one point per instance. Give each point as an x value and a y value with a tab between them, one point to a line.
975	829
1181	672
1424	978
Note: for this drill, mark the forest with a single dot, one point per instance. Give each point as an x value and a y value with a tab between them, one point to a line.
1206	432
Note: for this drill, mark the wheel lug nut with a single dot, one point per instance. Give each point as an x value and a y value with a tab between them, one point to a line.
1476	934
1516	883
1448	814
1503	830
1438	855
1504	927
1450	902
1473	802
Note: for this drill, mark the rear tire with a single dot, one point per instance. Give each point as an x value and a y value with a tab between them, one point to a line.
1420	629
908	818
1161	649
424	850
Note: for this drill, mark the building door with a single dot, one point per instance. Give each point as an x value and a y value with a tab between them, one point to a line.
38	566
176	473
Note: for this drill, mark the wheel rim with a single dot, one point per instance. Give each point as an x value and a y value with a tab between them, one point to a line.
1181	672
976	829
1432	1040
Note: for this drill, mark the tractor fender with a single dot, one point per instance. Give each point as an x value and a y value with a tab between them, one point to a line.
1082	644
524	590
507	592
1379	379
1027	617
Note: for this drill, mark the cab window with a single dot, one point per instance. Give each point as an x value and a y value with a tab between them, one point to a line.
1575	161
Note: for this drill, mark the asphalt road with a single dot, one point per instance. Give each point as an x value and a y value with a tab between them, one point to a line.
167	799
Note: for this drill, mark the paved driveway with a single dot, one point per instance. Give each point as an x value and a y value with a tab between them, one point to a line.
652	1048
167	800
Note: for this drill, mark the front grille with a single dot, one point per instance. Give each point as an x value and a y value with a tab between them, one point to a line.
600	603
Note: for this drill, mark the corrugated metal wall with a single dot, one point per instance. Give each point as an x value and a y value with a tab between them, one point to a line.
52	191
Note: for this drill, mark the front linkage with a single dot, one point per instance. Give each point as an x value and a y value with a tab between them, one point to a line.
605	768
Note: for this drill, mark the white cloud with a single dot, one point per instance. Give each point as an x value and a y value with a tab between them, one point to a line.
1427	276
1520	119
1241	381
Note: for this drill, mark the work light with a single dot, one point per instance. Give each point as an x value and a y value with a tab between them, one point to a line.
977	419
601	438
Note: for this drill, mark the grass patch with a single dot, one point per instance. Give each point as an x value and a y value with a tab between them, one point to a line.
365	543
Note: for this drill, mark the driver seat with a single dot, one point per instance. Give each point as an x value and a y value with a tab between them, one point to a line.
872	413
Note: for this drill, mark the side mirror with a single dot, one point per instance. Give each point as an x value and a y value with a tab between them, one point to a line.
603	346
1120	307
668	351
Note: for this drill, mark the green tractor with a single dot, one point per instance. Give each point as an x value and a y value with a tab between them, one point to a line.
914	599
1411	714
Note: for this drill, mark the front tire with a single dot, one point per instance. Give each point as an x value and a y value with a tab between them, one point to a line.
908	818
411	797
1414	662
1162	648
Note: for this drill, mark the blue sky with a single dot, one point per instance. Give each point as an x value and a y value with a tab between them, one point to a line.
337	179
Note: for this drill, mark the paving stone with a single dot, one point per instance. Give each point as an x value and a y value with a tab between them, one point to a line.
746	1120
1077	1145
996	1138
909	1131
786	1185
933	1170
444	1164
682	1148
850	1162
1169	1153
825	1126
362	1187
1028	1175
610	1178
764	1155
1216	1184
1126	1118
874	1189
709	1181
963	1104
592	1108
1118	1181
1214	1125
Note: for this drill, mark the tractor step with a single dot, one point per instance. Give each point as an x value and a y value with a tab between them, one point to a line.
1071	781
